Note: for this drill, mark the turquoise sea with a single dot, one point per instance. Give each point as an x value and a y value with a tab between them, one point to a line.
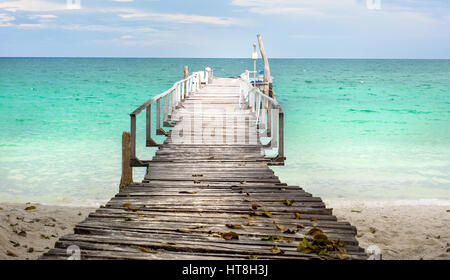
356	129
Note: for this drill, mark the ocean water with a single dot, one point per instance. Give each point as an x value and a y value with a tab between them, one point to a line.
356	129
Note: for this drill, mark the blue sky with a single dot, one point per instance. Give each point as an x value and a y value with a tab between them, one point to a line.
226	28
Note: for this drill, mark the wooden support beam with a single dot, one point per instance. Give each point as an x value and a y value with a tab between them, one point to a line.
281	135
149	141
185	72
266	88
127	170
133	137
159	130
267	77
210	74
275	129
166	110
269	120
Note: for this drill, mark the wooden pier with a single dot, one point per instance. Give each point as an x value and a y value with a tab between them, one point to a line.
209	192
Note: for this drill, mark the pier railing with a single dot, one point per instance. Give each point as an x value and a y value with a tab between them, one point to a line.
171	101
269	116
268	112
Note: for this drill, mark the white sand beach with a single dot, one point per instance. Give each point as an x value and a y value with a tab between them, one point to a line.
402	230
27	234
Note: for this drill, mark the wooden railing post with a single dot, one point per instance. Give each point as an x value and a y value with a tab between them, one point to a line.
275	129
133	137
185	76
169	114
263	122
210	75
166	111
281	134
269	121
127	170
183	91
251	97
159	130
148	131
267	76
258	108
148	124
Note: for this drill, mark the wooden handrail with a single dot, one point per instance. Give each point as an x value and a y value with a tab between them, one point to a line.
171	98
273	124
161	95
268	112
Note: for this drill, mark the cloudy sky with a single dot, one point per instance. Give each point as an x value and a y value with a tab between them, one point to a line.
226	28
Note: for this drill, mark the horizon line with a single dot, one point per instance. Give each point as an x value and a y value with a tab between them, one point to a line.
174	57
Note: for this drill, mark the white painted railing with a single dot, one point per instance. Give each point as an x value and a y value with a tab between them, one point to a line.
269	115
171	99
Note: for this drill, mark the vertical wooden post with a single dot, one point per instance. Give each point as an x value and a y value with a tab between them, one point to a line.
185	76
263	123
127	170
158	114
259	105
171	103
275	129
267	76
281	135
210	75
148	128
159	130
185	72
166	108
148	125
251	97
133	137
269	120
176	97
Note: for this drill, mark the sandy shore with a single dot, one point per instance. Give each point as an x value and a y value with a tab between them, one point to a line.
27	234
403	230
400	230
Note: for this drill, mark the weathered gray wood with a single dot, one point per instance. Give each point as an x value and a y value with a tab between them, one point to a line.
127	170
148	128
267	76
194	190
281	135
133	137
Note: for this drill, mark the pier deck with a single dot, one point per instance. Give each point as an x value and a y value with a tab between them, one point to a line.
216	200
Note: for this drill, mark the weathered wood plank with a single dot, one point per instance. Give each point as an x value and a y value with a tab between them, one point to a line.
196	191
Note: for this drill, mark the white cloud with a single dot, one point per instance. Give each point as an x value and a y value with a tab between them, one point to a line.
109	28
391	15
42	16
304	36
32	25
33	6
295	7
336	8
179	18
132	42
5	19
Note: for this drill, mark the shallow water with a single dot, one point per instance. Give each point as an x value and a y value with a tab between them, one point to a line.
369	129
